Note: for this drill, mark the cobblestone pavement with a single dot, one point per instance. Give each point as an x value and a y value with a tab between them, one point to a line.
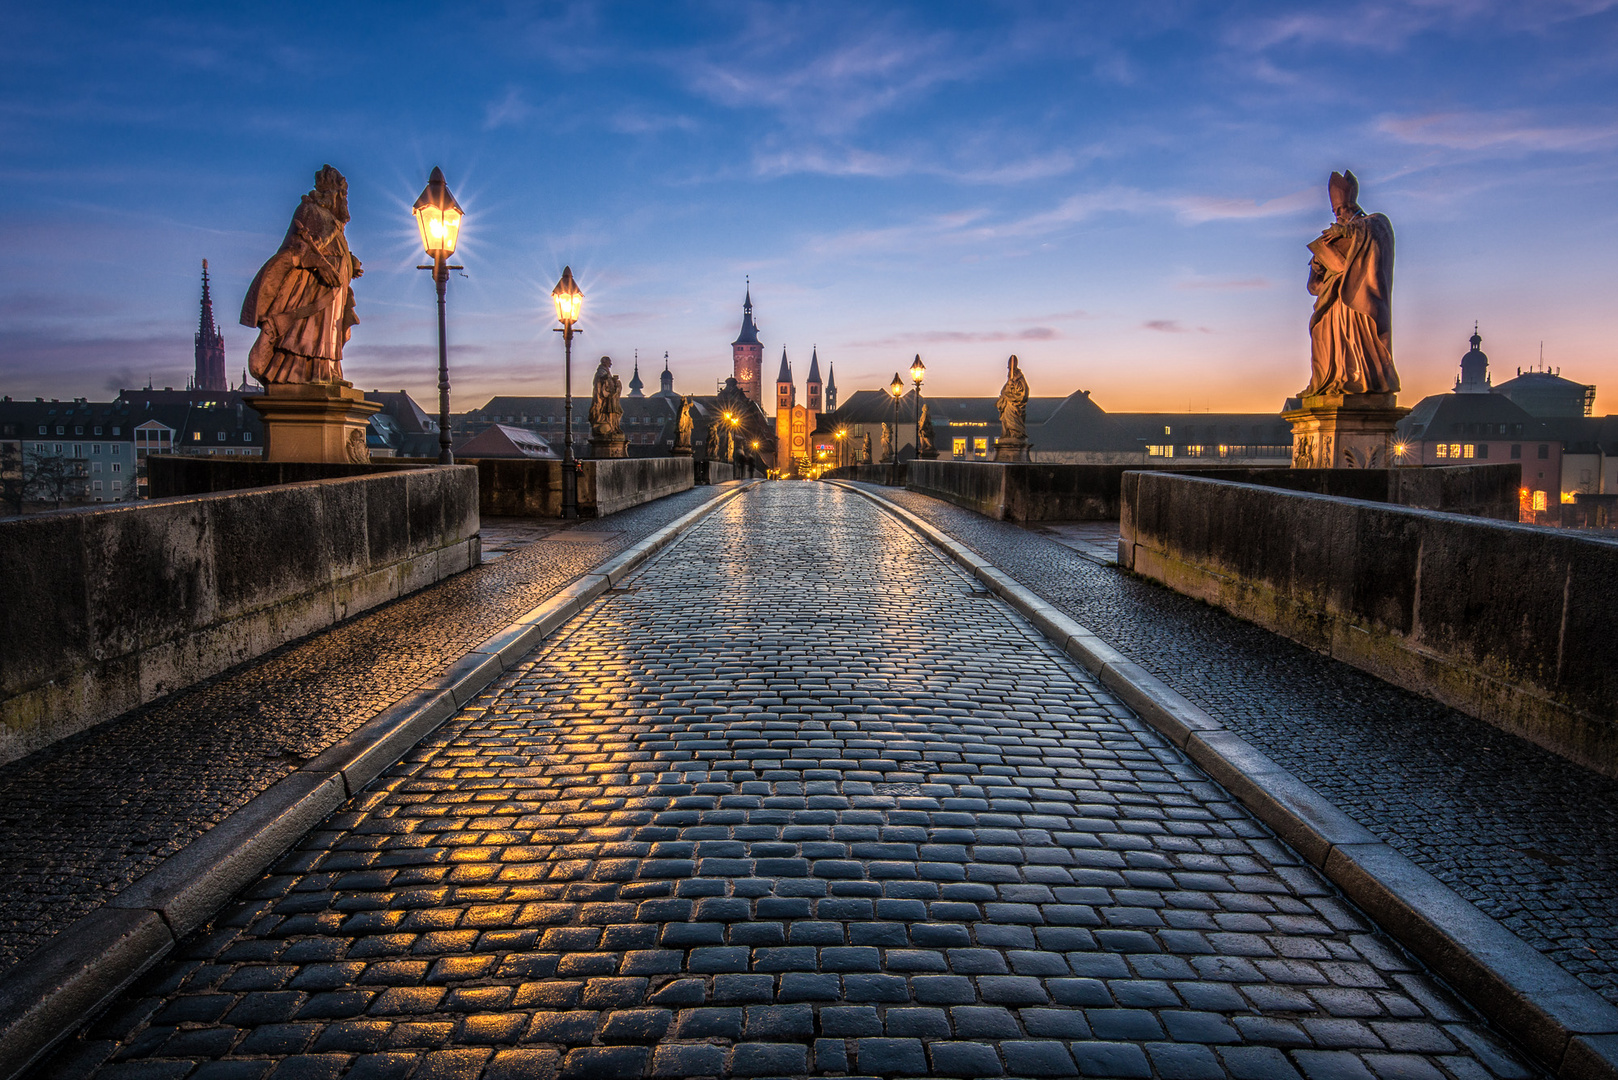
1529	838
83	819
797	799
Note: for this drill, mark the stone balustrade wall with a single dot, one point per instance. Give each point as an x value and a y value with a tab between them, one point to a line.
1048	491
1508	623
105	608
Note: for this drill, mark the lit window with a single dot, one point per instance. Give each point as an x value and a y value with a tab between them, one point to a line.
980	447
1441	450
1470	450
1539	500
1454	450
958	447
196	436
1568	496
1159	451
1167	431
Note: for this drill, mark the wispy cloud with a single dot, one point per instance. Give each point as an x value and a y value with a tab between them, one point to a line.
1222	284
1515	131
511	110
1164	326
951	337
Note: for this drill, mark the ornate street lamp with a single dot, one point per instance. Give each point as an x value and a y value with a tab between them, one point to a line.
438	216
918	371
841	434
569	301
895	388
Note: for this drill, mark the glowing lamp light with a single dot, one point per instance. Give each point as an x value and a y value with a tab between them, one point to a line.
918	370
568	299
896	387
438	216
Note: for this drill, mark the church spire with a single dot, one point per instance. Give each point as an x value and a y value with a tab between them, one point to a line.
667	376
831	388
210	344
635	385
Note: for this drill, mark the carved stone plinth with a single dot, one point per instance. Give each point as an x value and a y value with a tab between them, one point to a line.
1011	449
1344	431
612	446
681	451
315	422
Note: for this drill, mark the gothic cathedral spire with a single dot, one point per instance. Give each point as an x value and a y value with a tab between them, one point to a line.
210	345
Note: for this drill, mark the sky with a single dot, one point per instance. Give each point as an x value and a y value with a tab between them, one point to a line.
1120	194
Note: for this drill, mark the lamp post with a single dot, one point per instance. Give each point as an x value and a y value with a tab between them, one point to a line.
438	216
895	388
569	300
841	435
918	371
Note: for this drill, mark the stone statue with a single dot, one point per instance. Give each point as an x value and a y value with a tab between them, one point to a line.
1013	405
1351	278
682	434
606	413
887	441
925	426
711	447
301	301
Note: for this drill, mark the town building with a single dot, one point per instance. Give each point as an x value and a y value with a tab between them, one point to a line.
56	454
504	441
1537	420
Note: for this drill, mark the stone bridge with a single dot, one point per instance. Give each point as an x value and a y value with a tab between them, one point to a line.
799	779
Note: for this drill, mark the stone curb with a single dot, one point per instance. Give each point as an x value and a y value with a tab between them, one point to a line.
1570	1027
49	993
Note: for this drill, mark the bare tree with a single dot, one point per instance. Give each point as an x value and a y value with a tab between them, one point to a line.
49	478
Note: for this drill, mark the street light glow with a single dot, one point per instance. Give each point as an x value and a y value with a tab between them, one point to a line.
438	216
568	299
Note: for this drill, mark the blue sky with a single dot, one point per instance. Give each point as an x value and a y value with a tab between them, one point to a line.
1119	193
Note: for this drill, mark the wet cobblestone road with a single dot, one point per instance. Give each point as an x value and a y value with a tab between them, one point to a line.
86	817
797	799
1529	838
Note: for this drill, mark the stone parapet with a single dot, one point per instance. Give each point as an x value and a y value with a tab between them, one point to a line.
104	609
1508	623
1053	491
532	487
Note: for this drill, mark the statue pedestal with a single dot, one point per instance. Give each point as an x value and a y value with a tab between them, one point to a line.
1012	449
681	451
612	446
1344	431
315	422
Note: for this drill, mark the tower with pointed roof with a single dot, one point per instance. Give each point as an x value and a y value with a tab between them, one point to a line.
210	353
747	353
785	394
831	388
636	387
813	389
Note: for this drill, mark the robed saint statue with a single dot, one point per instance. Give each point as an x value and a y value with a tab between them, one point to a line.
1012	404
606	412
1351	279
301	301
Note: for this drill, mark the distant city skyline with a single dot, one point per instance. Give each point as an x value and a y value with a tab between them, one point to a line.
1119	197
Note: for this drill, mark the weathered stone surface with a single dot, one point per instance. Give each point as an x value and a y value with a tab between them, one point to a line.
685	820
102	609
1498	620
532	487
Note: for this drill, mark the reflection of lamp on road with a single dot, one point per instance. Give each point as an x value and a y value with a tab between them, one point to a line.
895	388
438	216
918	371
569	301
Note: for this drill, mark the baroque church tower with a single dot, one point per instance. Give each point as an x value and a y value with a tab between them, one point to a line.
786	394
210	374
747	354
